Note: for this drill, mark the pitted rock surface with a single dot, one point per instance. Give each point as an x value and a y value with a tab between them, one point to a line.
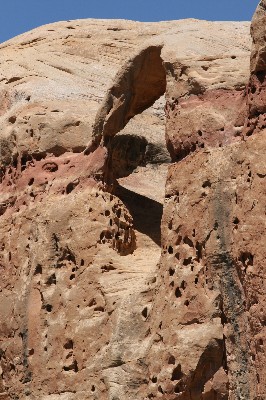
132	211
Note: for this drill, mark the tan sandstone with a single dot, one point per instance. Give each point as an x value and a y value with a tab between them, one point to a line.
132	211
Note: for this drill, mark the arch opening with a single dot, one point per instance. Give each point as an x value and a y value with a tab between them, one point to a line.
140	82
131	125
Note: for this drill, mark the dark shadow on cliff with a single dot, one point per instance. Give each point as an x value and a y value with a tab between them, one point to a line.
146	213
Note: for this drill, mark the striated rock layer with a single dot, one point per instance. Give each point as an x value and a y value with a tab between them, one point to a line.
132	211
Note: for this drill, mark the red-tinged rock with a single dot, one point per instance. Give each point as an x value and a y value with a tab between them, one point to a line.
132	241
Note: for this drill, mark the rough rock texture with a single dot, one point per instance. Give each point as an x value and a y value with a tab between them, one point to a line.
99	299
258	54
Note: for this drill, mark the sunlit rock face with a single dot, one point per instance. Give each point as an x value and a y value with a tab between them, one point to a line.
132	211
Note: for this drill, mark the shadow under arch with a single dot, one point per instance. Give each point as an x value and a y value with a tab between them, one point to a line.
146	213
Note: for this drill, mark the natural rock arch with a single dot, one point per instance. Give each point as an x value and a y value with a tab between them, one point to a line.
140	82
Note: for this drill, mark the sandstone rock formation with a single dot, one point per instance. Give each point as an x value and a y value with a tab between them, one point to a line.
132	211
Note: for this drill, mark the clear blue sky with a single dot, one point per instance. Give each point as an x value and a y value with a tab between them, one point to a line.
18	16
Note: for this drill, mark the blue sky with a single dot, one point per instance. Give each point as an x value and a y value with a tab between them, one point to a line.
18	16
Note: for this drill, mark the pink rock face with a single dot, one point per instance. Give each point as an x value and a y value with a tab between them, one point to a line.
192	122
132	225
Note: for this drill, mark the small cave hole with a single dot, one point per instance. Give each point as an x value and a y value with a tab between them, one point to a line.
51	280
206	184
187	261
92	303
199	249
38	270
72	367
188	241
93	388
154	379
178	293
171	271
171	360
31	181
108	268
196	280
82	262
12	119
99	308
170	250
50	167
49	308
177	373
69	345
145	312
70	187
186	303
247	259
183	285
